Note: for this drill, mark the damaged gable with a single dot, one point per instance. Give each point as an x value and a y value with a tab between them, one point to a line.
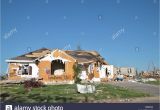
86	56
31	56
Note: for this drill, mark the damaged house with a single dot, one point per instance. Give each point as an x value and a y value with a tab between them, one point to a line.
57	65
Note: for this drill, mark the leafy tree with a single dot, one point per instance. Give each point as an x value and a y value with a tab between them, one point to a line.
77	70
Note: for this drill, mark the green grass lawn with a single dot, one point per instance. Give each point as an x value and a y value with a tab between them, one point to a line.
157	82
64	93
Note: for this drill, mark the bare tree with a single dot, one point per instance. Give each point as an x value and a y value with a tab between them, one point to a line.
79	47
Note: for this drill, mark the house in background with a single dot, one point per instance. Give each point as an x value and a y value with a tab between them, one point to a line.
57	65
127	72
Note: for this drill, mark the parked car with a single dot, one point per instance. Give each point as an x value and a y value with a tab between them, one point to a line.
119	77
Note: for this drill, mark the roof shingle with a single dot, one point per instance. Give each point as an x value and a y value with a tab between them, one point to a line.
32	55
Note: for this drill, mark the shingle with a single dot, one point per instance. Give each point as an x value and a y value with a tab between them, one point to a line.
80	55
25	56
85	56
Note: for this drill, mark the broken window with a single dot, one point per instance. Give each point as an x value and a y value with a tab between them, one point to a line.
57	67
25	70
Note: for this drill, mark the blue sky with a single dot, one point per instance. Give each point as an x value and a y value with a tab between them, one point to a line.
124	32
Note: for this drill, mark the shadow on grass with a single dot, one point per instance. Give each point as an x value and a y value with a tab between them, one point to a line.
4	96
50	98
63	99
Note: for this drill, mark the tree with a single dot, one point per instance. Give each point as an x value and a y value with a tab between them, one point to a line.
77	70
79	47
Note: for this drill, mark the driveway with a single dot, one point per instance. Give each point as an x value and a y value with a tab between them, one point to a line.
153	90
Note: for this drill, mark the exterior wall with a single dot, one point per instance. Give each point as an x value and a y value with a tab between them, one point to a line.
133	71
96	72
69	70
12	73
44	67
68	64
35	70
116	70
110	71
127	71
124	70
45	64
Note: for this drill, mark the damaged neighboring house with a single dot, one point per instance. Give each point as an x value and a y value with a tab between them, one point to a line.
127	71
57	65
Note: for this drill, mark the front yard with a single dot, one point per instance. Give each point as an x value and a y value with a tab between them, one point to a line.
157	82
64	94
